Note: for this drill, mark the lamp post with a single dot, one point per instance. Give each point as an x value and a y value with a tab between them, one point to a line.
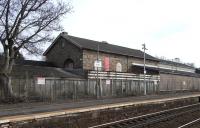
145	88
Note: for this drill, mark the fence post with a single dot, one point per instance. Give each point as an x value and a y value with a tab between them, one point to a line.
75	95
130	87
60	89
94	87
121	87
88	89
111	87
140	85
100	88
19	92
26	86
52	89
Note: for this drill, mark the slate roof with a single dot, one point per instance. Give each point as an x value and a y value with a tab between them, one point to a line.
168	62
35	63
39	71
103	47
180	73
174	72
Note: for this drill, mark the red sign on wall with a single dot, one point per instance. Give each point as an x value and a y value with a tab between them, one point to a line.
106	64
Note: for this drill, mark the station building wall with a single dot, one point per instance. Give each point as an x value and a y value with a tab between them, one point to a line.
90	56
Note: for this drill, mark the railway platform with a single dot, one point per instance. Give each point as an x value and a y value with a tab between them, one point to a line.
90	112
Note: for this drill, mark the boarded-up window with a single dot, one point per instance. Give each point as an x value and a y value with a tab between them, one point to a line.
106	64
119	67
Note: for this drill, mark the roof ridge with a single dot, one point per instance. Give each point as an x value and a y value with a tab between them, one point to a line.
89	44
104	43
84	38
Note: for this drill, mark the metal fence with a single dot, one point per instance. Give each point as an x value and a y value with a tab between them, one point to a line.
56	89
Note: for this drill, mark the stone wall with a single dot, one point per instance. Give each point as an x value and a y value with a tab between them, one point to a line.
90	56
62	51
84	59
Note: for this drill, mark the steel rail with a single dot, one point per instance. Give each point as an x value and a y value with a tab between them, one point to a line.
189	123
145	117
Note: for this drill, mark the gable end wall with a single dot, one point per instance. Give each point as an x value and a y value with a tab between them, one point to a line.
58	54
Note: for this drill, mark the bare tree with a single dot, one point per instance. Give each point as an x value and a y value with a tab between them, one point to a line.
26	25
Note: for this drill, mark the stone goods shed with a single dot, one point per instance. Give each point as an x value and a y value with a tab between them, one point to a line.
78	53
74	53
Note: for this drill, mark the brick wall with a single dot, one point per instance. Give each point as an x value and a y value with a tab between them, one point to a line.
62	51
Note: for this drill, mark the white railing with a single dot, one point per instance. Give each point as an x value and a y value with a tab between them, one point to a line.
121	76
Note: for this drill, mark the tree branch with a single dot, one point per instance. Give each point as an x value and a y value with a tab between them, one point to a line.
26	24
7	13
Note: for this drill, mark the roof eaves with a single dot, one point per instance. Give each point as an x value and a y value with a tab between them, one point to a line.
52	44
65	37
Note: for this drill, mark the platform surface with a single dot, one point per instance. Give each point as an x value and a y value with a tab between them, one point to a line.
27	111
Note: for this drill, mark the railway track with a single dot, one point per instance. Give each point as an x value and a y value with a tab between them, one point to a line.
193	124
152	118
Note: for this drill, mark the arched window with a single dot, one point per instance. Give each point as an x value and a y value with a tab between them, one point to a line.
119	67
69	64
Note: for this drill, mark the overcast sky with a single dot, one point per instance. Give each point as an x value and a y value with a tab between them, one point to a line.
170	28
